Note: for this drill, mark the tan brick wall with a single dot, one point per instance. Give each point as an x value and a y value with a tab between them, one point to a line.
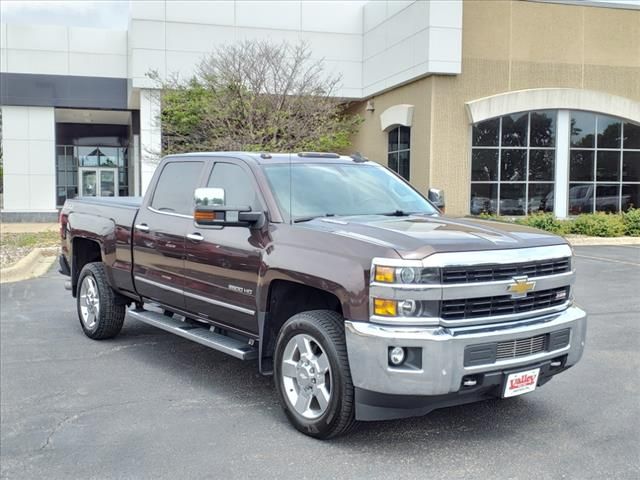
507	46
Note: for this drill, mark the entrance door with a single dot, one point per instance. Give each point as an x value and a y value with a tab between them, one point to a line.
98	182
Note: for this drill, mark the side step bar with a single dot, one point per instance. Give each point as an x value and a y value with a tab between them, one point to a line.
202	335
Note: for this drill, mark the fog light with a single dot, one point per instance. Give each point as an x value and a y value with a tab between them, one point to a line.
396	355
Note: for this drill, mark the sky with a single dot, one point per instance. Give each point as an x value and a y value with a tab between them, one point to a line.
113	14
97	14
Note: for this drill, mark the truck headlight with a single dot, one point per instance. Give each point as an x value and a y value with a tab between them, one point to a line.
406	275
405	308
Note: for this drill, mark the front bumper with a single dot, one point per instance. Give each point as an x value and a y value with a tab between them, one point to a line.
442	367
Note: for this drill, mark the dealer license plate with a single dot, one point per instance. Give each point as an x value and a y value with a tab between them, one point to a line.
521	382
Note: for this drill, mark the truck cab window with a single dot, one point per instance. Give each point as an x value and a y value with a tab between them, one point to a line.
239	189
174	191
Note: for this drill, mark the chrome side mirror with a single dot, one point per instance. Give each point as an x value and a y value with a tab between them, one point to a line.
209	197
436	196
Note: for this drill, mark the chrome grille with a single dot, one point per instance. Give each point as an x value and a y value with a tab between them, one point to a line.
490	273
460	309
521	347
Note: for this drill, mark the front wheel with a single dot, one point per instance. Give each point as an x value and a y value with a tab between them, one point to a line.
101	315
312	374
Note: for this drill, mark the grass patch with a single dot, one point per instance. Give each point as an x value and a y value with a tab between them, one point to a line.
591	224
30	240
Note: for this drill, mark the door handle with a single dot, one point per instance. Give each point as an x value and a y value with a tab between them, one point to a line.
142	227
195	237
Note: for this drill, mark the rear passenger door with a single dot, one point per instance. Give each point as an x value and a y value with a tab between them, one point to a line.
159	232
222	263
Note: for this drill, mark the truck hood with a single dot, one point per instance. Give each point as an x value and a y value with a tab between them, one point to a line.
417	236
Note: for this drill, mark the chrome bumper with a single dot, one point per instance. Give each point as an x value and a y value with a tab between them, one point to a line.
443	350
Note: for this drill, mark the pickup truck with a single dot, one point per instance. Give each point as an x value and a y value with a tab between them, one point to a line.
335	276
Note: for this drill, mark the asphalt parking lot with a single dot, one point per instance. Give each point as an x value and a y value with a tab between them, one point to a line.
148	404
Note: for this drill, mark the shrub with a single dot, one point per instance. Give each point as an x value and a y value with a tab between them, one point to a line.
544	221
598	225
631	220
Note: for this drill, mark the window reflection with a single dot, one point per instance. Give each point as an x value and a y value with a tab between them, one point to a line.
513	163
611	164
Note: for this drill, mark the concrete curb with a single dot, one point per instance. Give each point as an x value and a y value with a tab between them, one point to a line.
36	263
584	241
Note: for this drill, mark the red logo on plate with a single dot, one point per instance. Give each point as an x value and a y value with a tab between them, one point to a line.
523	381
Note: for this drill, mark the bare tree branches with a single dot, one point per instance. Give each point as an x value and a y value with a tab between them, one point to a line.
256	95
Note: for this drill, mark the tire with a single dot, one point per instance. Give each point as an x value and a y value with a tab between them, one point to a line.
311	348
93	287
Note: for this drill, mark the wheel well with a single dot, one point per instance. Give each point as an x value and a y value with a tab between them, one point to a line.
84	251
289	298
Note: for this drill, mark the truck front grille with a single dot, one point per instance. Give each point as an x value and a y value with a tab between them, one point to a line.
521	347
490	273
461	309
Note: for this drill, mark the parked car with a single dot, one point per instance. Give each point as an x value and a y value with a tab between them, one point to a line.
342	281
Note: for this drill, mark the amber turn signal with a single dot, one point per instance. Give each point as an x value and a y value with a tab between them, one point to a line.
385	274
385	308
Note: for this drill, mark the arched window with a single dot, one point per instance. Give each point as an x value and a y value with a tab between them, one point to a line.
561	161
399	151
513	164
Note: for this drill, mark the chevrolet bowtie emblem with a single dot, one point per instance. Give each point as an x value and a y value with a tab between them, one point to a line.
520	287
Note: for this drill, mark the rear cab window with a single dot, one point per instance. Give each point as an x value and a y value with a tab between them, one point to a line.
175	187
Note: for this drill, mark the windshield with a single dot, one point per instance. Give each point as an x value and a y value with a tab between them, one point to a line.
341	189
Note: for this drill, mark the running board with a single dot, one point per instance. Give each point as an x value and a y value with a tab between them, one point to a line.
202	335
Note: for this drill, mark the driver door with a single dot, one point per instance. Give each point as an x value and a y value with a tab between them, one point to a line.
222	263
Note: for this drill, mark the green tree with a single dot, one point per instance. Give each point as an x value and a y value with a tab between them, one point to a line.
256	96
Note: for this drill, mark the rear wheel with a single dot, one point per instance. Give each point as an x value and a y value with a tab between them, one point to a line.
101	315
312	374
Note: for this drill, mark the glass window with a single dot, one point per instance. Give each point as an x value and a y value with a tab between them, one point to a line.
580	198
612	164
484	164
630	196
609	132
513	164
540	197
583	128
608	166
581	166
485	134
238	187
543	129
512	198
541	165
175	188
514	130
631	166
484	198
399	148
631	136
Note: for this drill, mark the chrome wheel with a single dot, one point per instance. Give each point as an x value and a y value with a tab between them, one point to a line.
89	302
306	376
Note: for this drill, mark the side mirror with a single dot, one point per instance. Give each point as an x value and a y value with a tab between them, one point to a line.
436	197
210	210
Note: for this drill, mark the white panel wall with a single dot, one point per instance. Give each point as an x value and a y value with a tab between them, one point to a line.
59	50
172	37
403	40
28	143
150	136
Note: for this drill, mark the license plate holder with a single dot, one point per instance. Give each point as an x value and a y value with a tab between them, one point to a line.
519	383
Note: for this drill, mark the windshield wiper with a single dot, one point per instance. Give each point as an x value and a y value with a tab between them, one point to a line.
402	213
307	219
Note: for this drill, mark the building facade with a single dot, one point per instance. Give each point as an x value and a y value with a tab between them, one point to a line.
511	107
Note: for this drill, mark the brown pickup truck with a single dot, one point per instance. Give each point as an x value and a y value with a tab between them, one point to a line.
336	276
